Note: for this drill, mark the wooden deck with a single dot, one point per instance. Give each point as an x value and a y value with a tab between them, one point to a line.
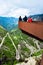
34	28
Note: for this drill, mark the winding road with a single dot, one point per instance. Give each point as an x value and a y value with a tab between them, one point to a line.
17	53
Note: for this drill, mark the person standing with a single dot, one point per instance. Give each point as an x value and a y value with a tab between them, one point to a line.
20	19
25	19
29	20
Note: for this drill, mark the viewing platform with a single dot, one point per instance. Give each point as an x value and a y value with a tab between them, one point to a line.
34	28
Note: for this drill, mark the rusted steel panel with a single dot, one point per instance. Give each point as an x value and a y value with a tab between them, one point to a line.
41	63
34	28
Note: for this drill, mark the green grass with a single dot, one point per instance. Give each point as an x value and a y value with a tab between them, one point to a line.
38	53
17	37
2	31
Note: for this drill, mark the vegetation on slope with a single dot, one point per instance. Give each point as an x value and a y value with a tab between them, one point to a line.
2	33
8	52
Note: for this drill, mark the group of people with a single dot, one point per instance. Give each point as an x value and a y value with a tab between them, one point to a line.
25	19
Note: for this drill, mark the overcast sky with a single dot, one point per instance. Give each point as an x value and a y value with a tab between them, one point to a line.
16	8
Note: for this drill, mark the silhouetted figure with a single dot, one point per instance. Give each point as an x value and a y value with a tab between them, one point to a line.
25	19
20	19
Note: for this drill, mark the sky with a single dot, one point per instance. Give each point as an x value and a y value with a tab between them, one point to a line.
16	8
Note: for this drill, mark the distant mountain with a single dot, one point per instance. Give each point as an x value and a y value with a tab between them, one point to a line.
8	23
37	17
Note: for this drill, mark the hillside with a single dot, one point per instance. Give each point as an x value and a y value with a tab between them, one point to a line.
16	45
2	32
9	23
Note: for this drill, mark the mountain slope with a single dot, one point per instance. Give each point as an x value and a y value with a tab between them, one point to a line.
18	45
8	23
37	17
2	32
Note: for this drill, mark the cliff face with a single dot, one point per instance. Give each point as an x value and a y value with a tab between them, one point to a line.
36	29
